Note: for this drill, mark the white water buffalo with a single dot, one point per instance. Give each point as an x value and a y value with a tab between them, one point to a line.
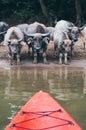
37	37
35	27
51	30
14	41
69	28
65	30
23	27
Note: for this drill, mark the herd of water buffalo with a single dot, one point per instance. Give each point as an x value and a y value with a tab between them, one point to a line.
20	38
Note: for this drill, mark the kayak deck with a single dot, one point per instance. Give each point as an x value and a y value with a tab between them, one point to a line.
42	112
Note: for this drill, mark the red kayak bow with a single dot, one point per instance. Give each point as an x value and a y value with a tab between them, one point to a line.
42	112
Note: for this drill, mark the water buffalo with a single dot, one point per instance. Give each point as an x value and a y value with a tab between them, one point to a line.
69	28
37	37
38	42
14	41
3	29
51	30
35	27
23	27
64	28
82	36
63	46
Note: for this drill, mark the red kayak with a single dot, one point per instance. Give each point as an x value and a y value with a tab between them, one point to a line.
42	112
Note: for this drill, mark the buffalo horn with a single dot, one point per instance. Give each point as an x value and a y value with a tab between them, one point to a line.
32	35
20	39
45	34
3	32
69	28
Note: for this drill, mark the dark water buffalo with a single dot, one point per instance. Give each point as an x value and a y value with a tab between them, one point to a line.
14	41
37	37
3	28
39	42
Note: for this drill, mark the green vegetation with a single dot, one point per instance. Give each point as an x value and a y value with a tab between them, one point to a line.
45	11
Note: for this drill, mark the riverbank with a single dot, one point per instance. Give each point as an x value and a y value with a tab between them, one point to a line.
77	60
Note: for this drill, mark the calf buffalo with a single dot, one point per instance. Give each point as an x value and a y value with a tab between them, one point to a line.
62	45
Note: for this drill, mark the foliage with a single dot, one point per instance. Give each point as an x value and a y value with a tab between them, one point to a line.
21	11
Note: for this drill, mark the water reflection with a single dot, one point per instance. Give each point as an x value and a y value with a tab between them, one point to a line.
18	84
84	78
65	83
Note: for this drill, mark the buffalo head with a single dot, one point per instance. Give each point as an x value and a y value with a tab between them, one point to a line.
67	46
37	40
65	51
14	45
73	33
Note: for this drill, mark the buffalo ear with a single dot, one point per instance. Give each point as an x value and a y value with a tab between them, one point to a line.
46	40
29	40
63	42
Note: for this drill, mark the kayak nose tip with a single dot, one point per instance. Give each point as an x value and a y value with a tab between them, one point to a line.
41	91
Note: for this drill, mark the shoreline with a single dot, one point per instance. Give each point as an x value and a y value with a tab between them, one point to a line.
4	64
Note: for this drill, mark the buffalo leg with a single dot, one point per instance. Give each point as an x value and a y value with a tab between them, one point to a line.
60	58
18	59
44	55
65	58
55	49
34	54
84	45
35	58
10	59
44	58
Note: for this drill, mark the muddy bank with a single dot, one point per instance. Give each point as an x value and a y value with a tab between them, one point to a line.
77	60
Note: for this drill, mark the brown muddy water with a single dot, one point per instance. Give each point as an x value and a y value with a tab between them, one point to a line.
66	84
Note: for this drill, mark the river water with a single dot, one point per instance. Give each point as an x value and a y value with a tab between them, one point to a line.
65	84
